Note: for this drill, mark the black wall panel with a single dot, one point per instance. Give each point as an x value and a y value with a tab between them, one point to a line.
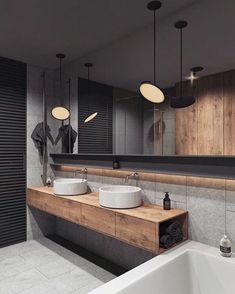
95	136
12	151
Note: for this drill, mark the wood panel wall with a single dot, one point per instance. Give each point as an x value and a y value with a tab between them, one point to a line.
208	126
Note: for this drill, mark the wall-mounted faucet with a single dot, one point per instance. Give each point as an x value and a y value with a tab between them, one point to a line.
133	176
82	172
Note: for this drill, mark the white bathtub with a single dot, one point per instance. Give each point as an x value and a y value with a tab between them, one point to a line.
192	268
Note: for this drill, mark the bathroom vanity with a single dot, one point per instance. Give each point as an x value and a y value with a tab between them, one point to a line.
139	226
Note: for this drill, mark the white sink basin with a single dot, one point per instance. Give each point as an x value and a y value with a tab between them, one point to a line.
120	196
68	187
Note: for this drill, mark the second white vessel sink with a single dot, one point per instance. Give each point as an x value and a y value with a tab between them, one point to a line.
120	196
70	186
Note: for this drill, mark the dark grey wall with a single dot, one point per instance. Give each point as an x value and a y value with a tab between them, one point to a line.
128	122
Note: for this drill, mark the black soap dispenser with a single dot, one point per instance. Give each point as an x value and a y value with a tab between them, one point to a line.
116	164
167	202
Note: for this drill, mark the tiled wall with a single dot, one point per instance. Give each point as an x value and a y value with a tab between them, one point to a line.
207	200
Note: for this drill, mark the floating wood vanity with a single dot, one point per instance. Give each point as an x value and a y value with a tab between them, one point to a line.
138	226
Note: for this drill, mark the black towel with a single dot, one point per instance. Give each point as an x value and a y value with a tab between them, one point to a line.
178	238
170	233
65	132
171	228
166	241
39	138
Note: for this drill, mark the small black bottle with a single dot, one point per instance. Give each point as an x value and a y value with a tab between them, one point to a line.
167	202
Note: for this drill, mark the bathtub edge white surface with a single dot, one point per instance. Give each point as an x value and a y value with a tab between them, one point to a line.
124	281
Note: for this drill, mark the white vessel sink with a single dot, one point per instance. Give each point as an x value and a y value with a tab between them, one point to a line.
68	187
120	196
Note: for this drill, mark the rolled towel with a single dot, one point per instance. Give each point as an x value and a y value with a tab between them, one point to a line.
178	238
171	228
166	241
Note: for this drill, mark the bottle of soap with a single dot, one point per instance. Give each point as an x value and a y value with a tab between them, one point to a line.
116	164
167	202
225	247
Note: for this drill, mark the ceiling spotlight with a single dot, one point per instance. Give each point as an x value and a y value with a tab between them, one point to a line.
193	73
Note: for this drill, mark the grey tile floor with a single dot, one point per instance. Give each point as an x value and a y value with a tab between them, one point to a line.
44	267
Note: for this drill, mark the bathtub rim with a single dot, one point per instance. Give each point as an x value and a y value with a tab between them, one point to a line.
127	279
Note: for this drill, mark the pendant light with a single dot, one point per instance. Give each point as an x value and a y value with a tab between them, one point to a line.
150	90
193	74
182	101
60	112
92	115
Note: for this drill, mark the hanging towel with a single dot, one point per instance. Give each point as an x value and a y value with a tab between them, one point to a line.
39	138
64	136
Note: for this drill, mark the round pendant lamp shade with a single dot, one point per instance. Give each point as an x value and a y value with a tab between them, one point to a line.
151	91
90	117
181	101
60	113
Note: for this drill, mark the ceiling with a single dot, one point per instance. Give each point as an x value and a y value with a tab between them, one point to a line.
117	37
33	31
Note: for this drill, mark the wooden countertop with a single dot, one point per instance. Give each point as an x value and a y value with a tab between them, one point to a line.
148	212
139	226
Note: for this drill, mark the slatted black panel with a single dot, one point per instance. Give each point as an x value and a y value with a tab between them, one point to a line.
12	151
95	136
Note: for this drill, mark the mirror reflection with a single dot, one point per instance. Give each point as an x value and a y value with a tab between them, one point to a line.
163	85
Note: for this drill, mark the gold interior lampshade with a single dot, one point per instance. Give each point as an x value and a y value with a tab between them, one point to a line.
90	117
151	92
60	113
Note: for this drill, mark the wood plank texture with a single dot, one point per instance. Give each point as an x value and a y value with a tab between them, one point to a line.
210	115
58	206
186	125
98	219
136	231
229	113
138	226
208	126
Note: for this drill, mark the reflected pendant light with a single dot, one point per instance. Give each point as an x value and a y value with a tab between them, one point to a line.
60	112
193	74
182	101
149	90
92	115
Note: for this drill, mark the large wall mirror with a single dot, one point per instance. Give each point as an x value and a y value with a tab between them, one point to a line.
124	122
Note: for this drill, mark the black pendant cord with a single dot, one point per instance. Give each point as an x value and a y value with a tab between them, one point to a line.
182	101
88	88
88	65
70	147
180	25
181	62
154	48
60	56
60	72
88	79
